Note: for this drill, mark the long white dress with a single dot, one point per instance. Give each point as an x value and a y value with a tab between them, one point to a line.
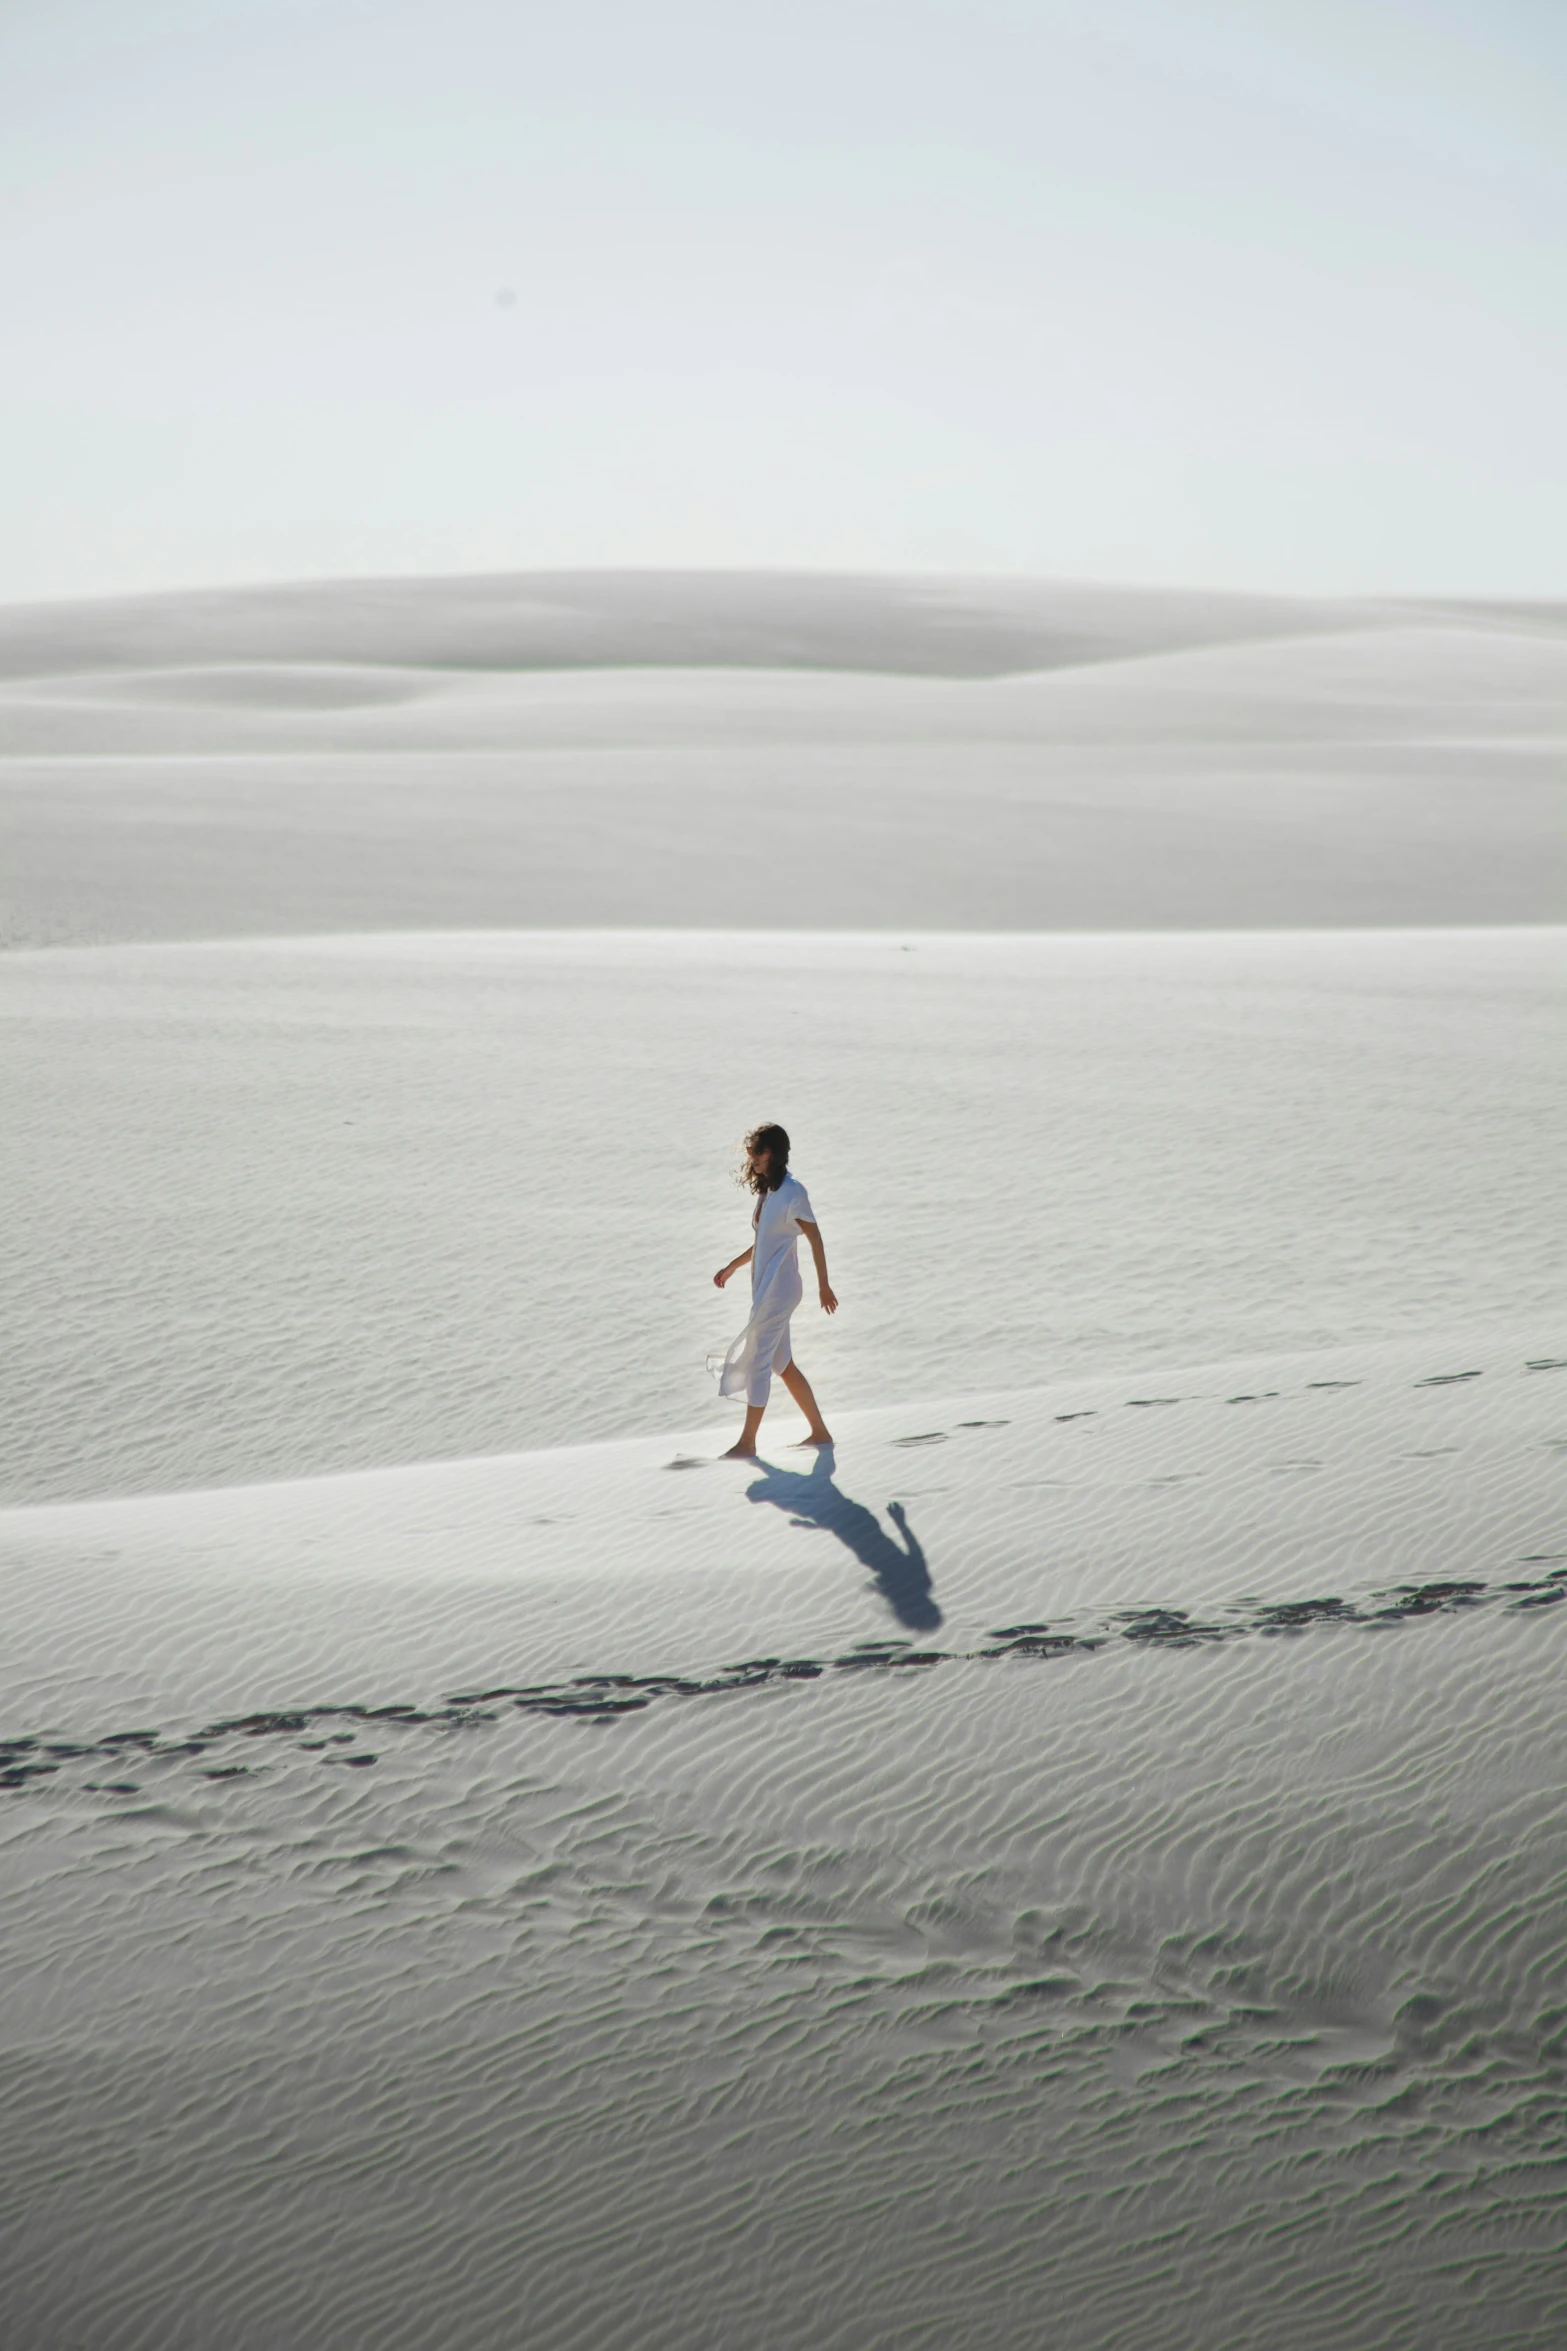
763	1346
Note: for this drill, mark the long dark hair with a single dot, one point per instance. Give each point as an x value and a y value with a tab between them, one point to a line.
768	1138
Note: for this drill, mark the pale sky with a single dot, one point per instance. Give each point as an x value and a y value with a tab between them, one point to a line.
1243	293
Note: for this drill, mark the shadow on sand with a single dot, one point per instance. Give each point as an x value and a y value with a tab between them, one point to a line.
812	1500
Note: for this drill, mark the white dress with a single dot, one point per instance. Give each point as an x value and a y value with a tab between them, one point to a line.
763	1346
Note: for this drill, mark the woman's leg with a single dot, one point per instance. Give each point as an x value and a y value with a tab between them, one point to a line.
745	1450
799	1388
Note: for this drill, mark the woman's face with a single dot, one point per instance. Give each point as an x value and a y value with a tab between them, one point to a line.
761	1158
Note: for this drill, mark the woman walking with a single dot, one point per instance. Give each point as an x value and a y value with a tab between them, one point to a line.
783	1212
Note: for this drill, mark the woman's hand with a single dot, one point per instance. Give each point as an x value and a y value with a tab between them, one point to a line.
813	1233
733	1266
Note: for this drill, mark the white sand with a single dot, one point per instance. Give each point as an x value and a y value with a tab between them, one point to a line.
1174	1958
1158	1980
186	767
960	627
301	1205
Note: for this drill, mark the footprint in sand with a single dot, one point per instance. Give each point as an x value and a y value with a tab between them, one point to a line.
603	1699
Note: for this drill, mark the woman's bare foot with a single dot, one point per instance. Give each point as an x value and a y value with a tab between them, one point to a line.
816	1437
739	1453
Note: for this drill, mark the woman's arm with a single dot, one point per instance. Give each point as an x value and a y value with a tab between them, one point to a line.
813	1233
733	1266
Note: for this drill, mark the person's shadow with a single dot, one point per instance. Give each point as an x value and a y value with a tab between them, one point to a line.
901	1575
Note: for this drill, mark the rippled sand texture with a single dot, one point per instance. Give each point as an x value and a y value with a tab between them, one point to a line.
769	751
1082	1866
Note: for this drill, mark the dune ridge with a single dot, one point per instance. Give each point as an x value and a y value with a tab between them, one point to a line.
933	625
1231	1453
1396	684
944	754
1321	1447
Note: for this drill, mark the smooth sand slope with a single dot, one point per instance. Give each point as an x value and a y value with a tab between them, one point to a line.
930	626
300	1205
948	755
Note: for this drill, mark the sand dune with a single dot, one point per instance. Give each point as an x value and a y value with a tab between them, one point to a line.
1158	1967
603	619
1216	1490
1083	1863
1384	775
297	1205
1396	685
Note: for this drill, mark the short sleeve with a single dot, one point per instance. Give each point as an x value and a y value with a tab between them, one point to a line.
800	1206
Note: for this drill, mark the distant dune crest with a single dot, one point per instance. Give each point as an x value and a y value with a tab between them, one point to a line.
921	626
612	749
